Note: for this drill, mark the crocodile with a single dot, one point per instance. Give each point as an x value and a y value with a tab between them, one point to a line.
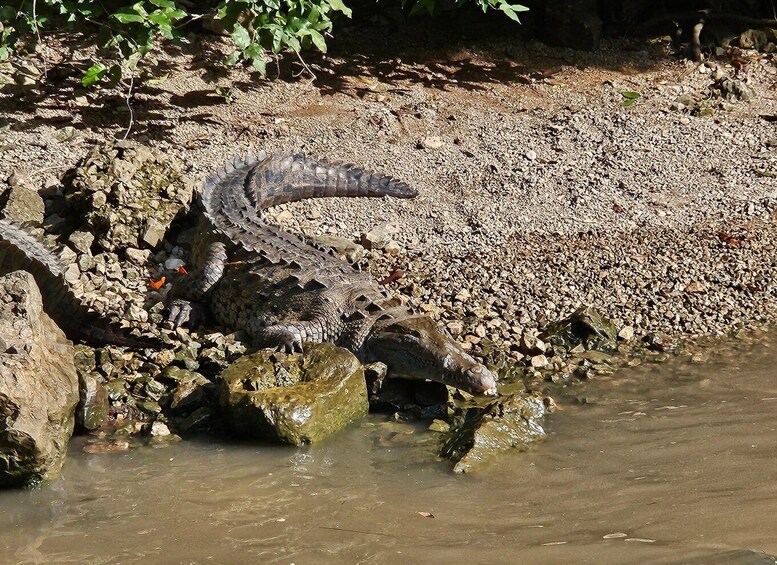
282	290
21	250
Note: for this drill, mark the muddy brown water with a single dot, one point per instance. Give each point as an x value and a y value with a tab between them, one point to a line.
667	463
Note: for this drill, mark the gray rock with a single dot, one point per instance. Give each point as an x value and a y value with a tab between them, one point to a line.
82	241
38	386
22	205
733	89
378	237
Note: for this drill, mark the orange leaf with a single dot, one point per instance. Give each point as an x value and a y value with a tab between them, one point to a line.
156	285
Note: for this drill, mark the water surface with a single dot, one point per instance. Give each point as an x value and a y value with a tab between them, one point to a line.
669	463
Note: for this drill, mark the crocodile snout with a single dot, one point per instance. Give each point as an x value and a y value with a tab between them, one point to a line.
481	380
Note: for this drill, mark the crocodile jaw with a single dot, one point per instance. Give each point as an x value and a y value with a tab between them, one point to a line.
414	348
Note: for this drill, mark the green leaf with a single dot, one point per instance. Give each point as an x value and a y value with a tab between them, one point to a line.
511	10
630	95
260	64
159	17
340	7
628	102
317	39
114	74
233	58
163	3
5	52
94	74
508	10
128	16
241	37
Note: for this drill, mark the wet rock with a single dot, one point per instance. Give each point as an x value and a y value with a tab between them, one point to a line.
480	434
38	386
584	327
297	398
159	429
127	195
92	410
22	205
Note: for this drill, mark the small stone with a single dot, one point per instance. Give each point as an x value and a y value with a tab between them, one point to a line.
72	273
378	237
82	241
174	263
695	287
159	429
393	248
456	328
480	331
153	233
67	133
284	217
626	333
23	206
531	155
18	178
539	361
137	256
432	142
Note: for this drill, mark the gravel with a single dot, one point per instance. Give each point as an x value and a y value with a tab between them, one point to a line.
539	193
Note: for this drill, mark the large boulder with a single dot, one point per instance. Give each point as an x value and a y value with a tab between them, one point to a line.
296	398
38	386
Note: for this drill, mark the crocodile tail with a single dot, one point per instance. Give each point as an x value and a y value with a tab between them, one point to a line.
20	250
236	193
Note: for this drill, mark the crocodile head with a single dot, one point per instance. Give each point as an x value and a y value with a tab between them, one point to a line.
415	348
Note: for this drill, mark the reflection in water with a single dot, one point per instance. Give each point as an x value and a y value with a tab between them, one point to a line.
671	463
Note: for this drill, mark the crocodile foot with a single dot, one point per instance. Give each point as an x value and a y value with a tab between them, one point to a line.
180	312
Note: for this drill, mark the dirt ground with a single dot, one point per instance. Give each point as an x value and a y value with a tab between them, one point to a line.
539	190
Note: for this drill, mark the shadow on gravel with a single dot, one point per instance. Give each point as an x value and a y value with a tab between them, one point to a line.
378	51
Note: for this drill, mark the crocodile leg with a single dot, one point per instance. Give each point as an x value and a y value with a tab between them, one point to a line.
186	299
289	336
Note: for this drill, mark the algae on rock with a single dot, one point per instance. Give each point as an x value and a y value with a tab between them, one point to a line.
585	327
478	434
295	398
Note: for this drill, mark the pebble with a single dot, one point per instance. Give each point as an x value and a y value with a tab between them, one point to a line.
432	142
174	263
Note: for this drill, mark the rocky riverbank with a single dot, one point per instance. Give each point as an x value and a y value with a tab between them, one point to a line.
556	226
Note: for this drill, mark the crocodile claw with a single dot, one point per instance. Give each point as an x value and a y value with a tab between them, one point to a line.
290	343
181	312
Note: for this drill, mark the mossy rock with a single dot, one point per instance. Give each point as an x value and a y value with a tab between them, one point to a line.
294	399
480	434
585	327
